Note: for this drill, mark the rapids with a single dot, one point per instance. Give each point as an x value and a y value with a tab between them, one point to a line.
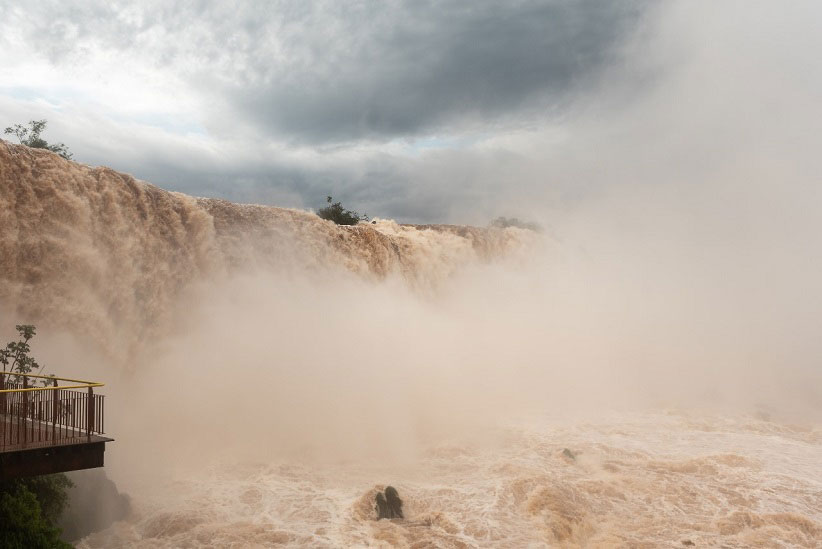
654	480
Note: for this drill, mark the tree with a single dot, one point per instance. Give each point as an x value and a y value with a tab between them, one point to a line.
30	507
30	137
17	352
339	215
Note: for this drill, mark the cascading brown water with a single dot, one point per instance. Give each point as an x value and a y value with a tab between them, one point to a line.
92	247
268	372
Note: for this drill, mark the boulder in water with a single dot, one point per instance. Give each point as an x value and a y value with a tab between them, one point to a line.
389	505
394	502
383	511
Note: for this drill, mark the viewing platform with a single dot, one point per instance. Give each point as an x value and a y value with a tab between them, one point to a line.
49	425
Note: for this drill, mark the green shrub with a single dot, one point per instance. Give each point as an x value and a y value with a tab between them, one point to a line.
339	215
30	137
503	222
22	522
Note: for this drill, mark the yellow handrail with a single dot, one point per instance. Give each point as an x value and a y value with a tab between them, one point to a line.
85	384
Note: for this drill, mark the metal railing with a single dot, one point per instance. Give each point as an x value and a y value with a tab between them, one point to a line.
34	416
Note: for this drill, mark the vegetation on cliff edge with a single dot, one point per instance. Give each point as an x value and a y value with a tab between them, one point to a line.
30	137
339	215
30	507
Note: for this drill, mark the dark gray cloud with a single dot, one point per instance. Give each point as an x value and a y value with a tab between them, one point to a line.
339	72
388	70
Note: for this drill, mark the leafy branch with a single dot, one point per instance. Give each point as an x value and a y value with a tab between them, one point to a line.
15	357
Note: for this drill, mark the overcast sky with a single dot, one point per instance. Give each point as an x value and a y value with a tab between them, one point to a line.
420	111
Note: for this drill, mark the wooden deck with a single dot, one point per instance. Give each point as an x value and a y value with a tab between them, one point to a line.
17	435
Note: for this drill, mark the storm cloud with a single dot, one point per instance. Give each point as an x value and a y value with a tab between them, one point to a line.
329	72
387	70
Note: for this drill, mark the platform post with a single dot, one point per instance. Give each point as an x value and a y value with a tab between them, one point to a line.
90	418
25	412
3	406
55	394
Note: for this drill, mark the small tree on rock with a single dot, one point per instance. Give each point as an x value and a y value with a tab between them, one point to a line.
30	137
339	215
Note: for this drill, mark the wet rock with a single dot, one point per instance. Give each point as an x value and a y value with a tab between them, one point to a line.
383	511
94	504
389	505
394	501
569	454
687	542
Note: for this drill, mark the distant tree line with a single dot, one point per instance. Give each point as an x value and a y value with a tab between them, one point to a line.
504	222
